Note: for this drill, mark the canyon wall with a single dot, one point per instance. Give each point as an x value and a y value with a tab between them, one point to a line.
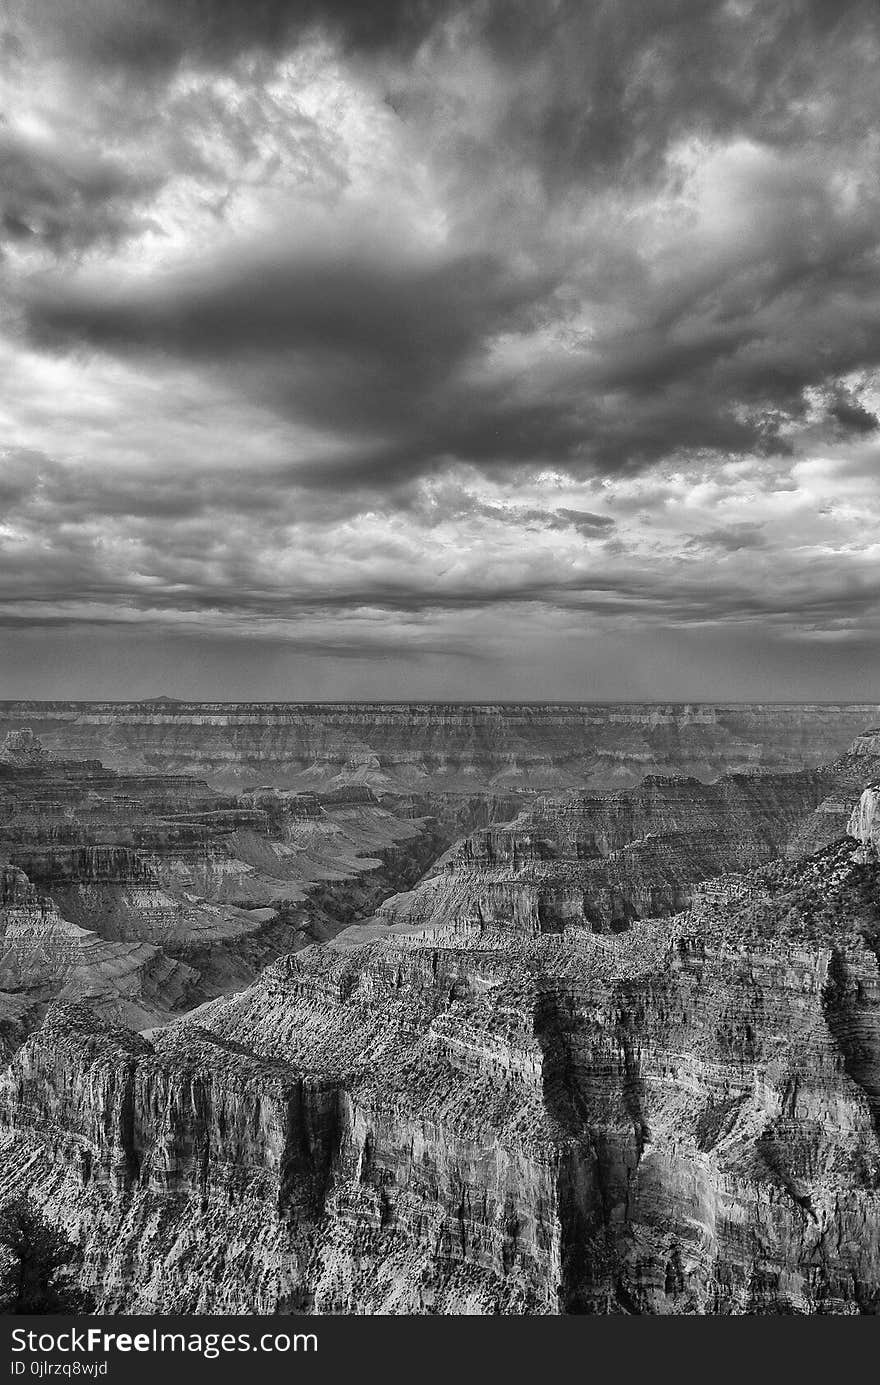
614	1055
678	1118
604	859
407	748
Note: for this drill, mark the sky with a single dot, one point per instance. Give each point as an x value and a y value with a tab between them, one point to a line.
505	349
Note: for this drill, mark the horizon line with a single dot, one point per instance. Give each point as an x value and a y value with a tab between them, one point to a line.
164	701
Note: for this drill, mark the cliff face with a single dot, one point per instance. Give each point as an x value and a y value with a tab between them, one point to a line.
864	824
682	1117
846	777
221	1139
604	859
412	748
22	749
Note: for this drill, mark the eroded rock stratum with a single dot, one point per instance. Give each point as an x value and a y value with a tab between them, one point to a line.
620	1054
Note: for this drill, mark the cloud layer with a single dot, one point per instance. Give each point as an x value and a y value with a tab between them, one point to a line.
463	346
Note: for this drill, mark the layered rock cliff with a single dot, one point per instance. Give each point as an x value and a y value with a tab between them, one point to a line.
462	747
609	1056
605	859
681	1117
43	956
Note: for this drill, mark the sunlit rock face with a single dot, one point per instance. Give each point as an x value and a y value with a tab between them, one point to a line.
681	1117
864	824
443	746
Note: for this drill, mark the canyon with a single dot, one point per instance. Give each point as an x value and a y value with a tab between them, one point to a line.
461	747
440	1031
149	893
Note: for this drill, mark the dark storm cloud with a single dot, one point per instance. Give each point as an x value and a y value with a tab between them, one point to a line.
363	344
598	90
154	36
716	359
65	196
833	596
853	416
383	347
380	348
416	319
594	85
37	492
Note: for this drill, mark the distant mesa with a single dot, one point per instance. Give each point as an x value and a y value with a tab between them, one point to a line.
163	697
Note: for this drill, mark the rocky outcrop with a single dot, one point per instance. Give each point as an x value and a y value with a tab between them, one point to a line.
677	1118
444	747
864	823
846	777
22	749
15	888
167	1117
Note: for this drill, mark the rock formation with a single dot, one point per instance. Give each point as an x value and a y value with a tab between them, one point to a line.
845	778
864	823
22	748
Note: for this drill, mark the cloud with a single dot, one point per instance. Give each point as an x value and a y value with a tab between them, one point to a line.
154	36
67	197
415	317
598	93
853	416
732	539
327	315
724	330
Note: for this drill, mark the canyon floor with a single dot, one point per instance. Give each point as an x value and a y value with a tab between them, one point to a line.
446	1009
